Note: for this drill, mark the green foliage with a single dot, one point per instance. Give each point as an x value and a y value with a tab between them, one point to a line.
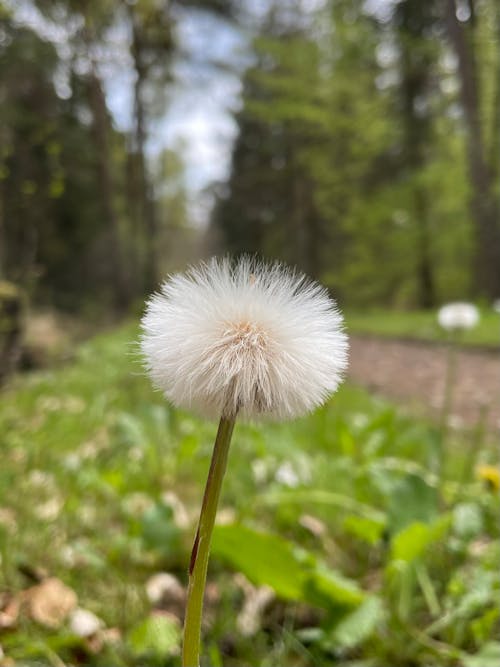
155	638
359	625
366	560
351	160
293	573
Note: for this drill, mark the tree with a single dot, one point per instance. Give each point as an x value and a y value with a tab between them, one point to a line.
414	22
151	48
485	206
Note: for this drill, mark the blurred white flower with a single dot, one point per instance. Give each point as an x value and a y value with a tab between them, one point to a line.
50	509
260	470
246	338
287	476
496	305
458	316
72	461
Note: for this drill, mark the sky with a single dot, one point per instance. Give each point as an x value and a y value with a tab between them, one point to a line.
198	119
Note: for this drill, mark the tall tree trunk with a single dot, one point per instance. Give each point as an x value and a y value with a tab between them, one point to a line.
3	237
484	203
426	293
147	208
101	132
412	17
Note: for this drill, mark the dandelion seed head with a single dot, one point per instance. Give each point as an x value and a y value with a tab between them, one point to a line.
244	337
458	316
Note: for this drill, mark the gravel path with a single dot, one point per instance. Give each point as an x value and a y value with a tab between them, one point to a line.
415	372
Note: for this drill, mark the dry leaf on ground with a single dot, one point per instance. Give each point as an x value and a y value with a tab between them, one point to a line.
50	602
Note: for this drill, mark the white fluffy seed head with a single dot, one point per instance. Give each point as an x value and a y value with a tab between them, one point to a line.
458	316
244	337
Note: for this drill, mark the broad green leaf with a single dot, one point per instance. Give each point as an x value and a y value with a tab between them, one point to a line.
327	587
357	626
367	529
263	558
158	529
413	500
412	542
158	635
293	573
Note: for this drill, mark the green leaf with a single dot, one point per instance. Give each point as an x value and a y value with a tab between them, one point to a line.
158	529
359	625
159	635
293	573
263	558
483	627
413	500
367	529
346	440
329	588
412	542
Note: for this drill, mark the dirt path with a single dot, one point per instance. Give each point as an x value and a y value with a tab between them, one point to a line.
415	372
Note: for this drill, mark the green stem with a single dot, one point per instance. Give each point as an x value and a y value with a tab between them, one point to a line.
201	548
449	386
451	364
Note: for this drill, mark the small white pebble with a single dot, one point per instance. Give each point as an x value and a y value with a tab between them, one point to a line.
84	623
163	585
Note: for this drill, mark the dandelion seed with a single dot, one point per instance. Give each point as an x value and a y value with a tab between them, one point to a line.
458	316
248	338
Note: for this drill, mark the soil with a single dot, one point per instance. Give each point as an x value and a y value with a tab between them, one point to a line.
415	372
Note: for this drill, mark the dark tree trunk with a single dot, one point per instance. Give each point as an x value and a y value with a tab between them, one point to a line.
101	132
413	18
426	294
145	190
484	203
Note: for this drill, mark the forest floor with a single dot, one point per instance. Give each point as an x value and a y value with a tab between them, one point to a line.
360	534
415	372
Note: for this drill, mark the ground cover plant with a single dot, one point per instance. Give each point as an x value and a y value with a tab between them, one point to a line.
338	541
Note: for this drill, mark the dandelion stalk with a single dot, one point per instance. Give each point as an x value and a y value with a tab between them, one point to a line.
455	318
201	548
247	338
449	386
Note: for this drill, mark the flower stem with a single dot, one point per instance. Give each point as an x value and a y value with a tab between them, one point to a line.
201	548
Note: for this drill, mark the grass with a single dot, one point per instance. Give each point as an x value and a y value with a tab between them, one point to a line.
422	325
371	555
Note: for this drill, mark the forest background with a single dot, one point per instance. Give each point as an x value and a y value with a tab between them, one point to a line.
363	145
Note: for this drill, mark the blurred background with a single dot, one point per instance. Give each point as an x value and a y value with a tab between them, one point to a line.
356	139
